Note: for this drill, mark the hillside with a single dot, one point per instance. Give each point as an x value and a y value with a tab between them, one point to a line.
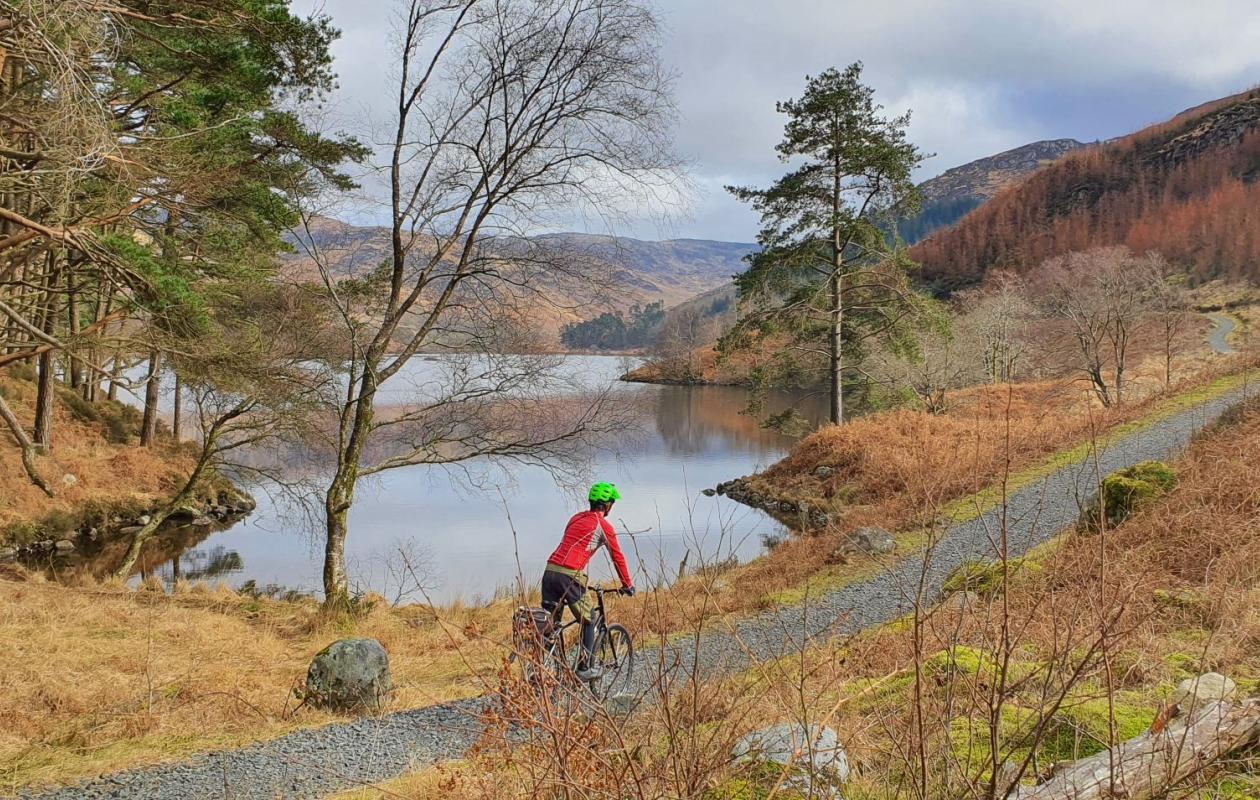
1185	188
949	196
633	270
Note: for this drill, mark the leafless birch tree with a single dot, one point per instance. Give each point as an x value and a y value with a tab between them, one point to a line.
507	112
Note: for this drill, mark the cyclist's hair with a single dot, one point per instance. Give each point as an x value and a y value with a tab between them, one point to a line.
598	505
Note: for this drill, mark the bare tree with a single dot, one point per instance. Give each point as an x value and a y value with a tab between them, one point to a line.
1102	295
998	314
1169	305
507	112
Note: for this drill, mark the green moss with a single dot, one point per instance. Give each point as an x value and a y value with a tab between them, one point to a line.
1078	730
959	659
1083	728
756	781
985	578
1182	665
1132	489
1177	598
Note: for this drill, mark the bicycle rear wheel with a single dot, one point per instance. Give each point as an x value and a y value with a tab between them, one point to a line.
614	653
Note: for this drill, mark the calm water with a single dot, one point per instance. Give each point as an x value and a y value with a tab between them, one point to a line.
460	537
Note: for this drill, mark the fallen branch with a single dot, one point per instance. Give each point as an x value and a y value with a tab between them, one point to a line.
1149	765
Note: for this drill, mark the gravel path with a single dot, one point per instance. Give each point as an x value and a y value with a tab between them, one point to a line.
317	762
1218	337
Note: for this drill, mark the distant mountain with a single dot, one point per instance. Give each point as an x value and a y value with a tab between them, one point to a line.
956	192
1187	188
632	270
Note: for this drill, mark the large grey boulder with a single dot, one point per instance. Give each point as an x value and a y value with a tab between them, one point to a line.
350	675
819	764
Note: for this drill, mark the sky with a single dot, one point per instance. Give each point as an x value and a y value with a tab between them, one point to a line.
980	76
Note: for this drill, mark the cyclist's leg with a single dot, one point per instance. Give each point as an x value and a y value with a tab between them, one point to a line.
579	602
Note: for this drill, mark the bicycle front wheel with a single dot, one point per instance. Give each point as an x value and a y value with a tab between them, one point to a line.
614	653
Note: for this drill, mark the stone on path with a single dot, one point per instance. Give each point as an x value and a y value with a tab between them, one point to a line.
350	675
820	765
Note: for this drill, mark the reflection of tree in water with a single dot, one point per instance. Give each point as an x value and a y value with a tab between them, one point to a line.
198	565
170	554
694	419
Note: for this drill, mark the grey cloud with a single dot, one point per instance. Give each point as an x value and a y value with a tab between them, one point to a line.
980	75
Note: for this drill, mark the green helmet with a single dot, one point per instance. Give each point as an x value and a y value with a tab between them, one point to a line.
603	493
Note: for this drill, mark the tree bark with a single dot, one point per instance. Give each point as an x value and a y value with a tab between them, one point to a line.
337	509
177	412
340	495
148	429
27	447
74	367
46	364
836	339
1148	766
44	402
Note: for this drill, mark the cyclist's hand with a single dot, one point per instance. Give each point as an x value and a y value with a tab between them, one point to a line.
628	591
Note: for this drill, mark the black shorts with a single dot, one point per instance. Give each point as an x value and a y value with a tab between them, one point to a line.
560	590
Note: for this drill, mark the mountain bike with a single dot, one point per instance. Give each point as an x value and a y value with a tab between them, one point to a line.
549	652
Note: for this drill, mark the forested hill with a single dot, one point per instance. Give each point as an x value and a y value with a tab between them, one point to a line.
1186	188
668	272
949	196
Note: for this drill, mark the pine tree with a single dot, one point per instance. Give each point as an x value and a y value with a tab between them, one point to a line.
826	269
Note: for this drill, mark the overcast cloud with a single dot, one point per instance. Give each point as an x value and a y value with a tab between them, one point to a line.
981	76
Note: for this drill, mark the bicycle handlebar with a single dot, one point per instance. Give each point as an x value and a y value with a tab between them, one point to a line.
610	590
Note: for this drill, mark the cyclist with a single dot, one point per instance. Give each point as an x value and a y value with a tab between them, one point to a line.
564	581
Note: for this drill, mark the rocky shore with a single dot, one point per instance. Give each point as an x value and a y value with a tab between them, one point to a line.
798	516
225	506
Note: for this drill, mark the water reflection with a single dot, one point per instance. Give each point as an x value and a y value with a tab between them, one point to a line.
481	535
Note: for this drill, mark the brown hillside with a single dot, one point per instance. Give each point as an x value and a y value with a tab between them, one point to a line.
1186	188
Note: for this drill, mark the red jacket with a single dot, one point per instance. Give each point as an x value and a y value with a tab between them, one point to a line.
585	533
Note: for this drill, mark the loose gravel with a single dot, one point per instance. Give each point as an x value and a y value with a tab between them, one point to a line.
315	763
1218	337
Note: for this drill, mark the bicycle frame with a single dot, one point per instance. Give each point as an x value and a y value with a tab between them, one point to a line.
599	619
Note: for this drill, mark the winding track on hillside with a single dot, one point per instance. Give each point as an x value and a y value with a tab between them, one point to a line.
314	763
1218	337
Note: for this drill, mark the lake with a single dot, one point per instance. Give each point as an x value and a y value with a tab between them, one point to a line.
467	542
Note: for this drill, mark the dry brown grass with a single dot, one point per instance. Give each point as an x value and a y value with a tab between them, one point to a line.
1203	538
898	470
104	473
98	678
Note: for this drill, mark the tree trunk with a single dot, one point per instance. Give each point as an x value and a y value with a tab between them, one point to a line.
835	372
836	348
337	508
46	364
27	447
115	375
148	430
44	402
340	495
1148	766
74	367
177	412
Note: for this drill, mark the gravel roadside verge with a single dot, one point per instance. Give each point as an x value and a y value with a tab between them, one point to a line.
317	762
